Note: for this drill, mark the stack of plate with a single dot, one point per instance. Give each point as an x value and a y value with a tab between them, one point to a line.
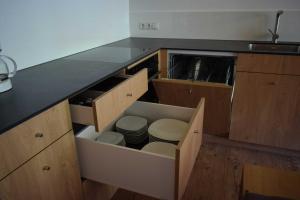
161	148
133	128
167	130
111	138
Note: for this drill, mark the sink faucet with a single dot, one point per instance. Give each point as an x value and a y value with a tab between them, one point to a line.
274	33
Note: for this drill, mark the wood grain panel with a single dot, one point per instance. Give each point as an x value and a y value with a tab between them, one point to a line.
265	63
97	191
271	182
29	138
52	174
188	94
266	110
188	149
112	103
82	114
163	63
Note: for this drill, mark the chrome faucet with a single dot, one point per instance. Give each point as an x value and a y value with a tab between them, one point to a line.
274	33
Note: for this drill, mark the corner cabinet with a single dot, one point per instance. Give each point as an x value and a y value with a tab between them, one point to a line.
266	102
38	158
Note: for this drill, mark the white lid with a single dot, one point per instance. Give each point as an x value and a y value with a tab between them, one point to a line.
161	148
131	123
168	129
110	137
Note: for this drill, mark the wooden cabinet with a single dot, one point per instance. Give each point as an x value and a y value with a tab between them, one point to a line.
38	158
29	138
266	107
52	174
156	175
188	93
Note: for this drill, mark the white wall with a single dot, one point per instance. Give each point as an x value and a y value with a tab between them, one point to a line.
36	31
215	19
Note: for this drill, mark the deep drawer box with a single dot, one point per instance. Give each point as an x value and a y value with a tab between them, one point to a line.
143	172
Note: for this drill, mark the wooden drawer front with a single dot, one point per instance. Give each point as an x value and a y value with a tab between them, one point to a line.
266	110
276	64
188	94
27	139
154	175
52	174
188	149
112	103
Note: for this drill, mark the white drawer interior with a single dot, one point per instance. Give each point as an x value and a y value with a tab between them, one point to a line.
135	170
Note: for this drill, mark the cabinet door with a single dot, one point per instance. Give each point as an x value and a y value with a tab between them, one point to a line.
266	63
266	110
52	174
188	94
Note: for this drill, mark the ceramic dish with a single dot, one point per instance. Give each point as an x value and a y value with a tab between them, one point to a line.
111	138
162	148
167	130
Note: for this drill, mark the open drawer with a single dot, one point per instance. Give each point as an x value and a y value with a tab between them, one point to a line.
147	173
100	105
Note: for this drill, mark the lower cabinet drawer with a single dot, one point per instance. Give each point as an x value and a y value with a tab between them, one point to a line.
100	105
21	143
51	174
143	172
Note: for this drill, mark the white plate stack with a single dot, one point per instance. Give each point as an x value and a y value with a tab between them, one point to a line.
133	128
162	148
167	130
111	137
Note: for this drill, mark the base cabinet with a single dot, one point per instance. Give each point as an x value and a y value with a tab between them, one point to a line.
188	94
52	174
266	110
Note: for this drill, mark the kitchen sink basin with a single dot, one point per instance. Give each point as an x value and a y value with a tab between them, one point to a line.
275	47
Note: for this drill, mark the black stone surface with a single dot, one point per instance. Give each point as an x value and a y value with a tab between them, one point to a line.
238	46
38	88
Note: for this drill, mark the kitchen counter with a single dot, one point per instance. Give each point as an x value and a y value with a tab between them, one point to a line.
40	87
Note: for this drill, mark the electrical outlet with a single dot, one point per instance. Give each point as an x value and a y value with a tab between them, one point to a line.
154	26
142	26
148	26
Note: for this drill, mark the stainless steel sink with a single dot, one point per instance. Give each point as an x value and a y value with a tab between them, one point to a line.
275	47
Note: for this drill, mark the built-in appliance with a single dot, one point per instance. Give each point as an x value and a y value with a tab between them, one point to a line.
217	67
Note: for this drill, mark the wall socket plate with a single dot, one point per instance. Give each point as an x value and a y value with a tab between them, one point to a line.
148	26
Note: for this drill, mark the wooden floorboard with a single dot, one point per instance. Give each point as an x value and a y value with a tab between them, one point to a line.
218	170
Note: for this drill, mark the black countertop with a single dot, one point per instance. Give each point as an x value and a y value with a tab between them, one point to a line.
40	87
